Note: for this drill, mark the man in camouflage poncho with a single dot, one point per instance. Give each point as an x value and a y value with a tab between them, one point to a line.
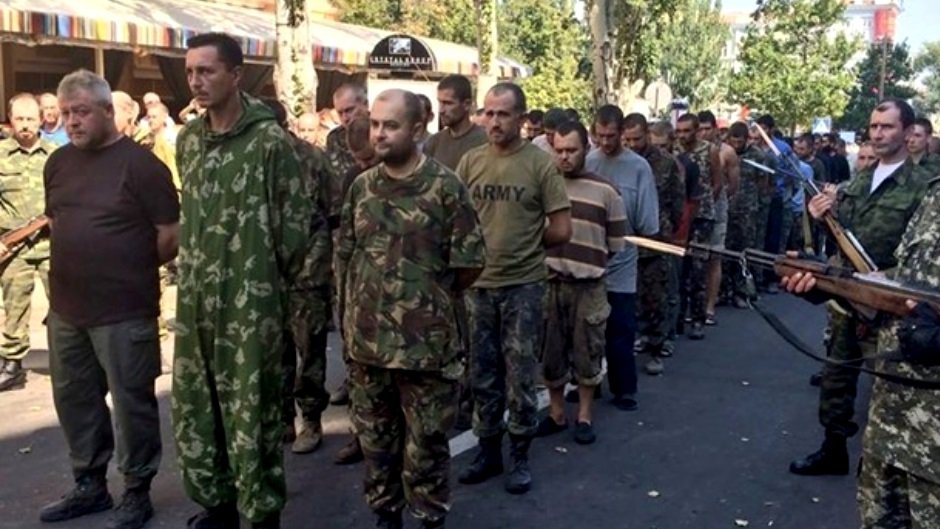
247	220
22	159
409	242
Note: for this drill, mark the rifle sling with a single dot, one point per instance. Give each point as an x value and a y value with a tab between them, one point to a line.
780	328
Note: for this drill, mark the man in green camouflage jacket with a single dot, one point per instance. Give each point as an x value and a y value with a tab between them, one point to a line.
655	269
22	159
743	209
877	206
899	479
409	243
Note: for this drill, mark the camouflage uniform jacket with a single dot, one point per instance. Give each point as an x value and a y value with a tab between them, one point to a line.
21	184
904	422
399	243
310	292
701	155
930	163
670	189
245	228
317	268
878	219
752	183
341	158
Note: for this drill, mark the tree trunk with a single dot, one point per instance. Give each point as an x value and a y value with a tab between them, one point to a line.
487	47
602	53
295	78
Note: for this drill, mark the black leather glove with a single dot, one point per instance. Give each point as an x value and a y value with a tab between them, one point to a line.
919	336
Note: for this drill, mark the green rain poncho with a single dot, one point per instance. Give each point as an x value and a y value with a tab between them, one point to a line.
246	229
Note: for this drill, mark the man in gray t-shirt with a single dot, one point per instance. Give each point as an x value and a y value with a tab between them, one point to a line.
632	176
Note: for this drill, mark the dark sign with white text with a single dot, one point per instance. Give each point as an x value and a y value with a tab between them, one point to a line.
402	53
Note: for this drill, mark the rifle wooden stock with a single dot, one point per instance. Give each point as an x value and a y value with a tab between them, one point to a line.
880	294
15	238
868	293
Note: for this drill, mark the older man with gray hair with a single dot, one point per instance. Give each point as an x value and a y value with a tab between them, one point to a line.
115	219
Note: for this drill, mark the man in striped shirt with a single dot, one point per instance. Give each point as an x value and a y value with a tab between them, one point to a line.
577	307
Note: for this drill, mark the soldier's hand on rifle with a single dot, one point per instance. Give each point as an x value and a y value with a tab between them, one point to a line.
799	283
919	335
821	204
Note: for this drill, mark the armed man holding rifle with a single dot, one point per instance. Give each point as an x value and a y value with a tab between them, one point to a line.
22	159
876	206
899	479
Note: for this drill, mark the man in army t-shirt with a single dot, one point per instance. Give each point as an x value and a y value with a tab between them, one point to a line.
516	188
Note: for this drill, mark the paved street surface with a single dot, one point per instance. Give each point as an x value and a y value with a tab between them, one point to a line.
708	448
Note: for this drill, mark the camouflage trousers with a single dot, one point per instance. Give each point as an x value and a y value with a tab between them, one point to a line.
505	324
305	379
791	231
653	288
742	234
701	233
227	419
839	385
761	220
575	324
465	384
892	498
17	282
402	418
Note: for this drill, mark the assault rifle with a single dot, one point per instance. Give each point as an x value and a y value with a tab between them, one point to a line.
867	292
14	239
847	242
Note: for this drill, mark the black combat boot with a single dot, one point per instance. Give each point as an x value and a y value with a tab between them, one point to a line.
273	521
132	512
832	459
90	495
223	516
519	480
12	375
487	464
388	520
432	524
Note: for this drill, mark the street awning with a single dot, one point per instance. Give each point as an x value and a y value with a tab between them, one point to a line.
162	27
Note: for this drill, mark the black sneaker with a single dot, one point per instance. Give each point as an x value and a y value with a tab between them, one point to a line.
624	403
697	332
584	433
548	426
89	496
132	512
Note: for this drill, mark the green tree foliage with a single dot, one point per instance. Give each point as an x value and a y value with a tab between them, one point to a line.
449	20
928	63
864	97
542	34
792	66
546	36
691	45
637	28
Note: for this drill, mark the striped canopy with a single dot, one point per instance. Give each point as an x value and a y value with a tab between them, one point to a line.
163	27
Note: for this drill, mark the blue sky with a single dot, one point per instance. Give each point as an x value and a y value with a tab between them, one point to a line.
914	23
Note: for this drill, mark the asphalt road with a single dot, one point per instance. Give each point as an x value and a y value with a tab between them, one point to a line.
708	448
